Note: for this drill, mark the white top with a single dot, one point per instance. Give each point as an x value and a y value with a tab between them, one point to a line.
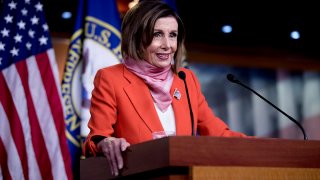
167	118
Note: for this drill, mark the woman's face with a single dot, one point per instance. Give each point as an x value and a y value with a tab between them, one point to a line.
161	51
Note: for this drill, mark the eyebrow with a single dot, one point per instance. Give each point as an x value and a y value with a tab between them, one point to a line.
162	30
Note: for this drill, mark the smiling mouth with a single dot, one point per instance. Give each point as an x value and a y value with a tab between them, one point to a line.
163	56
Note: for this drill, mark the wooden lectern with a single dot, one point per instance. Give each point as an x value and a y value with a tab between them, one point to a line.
204	157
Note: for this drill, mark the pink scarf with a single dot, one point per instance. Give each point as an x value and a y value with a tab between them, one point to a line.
158	79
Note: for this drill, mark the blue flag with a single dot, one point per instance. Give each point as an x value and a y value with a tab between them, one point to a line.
95	44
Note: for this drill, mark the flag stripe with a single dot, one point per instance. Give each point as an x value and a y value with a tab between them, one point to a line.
55	71
43	112
64	146
14	162
19	99
38	143
32	111
40	66
15	125
4	171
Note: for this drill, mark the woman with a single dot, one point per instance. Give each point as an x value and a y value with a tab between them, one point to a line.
143	95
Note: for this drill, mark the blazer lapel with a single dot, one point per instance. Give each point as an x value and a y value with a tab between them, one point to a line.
181	107
141	99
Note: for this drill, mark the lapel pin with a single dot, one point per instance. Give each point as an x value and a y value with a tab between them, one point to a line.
176	94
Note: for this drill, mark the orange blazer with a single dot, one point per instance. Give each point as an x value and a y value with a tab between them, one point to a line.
122	106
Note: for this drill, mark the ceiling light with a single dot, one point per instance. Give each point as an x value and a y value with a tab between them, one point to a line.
66	15
226	29
295	35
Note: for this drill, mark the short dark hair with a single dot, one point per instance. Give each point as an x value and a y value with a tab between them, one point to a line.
138	26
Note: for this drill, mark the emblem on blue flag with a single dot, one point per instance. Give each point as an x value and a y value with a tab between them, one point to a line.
95	44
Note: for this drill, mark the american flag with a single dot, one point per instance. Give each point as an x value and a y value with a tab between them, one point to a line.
33	144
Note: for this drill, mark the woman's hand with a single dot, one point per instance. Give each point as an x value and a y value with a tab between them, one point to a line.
112	147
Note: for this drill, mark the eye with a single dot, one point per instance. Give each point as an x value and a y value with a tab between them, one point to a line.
173	34
157	34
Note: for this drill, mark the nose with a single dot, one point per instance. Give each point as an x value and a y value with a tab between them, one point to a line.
165	43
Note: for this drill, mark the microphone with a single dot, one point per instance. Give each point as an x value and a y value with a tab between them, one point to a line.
182	76
233	79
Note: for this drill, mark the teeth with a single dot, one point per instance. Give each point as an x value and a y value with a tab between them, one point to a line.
163	56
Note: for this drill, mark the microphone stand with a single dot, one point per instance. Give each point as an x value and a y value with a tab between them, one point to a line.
182	76
233	79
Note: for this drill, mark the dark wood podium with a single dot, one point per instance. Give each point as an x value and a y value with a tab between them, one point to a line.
204	157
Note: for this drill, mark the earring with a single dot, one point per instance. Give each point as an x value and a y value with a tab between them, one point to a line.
172	62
